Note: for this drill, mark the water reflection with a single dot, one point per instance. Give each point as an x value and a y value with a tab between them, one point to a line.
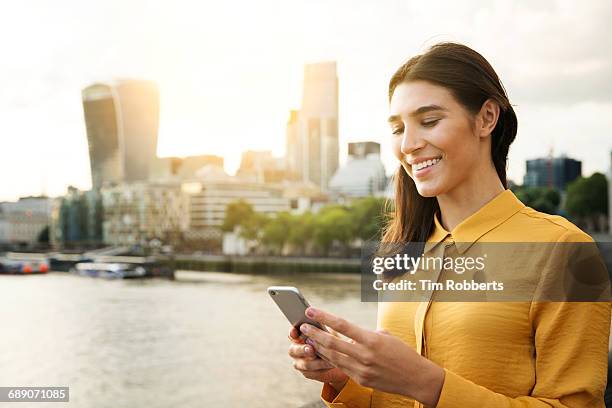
204	340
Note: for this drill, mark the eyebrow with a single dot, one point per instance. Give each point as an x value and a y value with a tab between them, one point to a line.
419	111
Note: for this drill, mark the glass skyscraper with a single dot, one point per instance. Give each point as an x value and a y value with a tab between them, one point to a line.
122	119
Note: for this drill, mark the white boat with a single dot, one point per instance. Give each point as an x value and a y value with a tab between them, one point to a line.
111	270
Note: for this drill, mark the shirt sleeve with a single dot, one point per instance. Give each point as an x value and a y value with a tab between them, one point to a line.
352	395
571	341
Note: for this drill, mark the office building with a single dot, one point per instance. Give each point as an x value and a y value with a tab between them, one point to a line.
76	219
261	167
122	119
136	213
209	199
555	172
312	133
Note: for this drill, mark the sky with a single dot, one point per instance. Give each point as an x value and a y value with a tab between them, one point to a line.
229	73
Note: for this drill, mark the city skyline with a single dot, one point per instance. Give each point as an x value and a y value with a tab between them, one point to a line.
228	83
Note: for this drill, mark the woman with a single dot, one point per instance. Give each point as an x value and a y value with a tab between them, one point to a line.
452	125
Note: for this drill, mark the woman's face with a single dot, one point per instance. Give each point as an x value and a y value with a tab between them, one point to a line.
433	137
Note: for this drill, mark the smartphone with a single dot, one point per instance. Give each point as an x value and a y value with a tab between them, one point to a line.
293	305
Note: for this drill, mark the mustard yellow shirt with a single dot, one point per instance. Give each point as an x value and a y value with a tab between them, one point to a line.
500	354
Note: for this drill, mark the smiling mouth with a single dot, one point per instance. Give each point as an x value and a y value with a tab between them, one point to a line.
426	164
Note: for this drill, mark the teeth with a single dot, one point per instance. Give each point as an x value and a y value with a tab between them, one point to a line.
425	164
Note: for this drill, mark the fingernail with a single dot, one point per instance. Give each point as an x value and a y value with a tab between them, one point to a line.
304	328
308	341
306	349
310	312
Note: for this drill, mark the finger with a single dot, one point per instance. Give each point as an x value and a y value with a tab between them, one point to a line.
338	359
294	336
311	365
302	351
330	341
296	341
339	324
318	375
332	331
294	332
340	336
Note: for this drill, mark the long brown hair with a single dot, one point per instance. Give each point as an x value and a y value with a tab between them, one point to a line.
471	80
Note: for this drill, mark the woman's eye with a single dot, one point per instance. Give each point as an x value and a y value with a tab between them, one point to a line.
430	123
398	131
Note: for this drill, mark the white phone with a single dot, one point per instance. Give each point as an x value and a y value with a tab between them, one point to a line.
293	305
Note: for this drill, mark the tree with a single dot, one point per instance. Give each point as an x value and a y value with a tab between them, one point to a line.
544	199
236	214
301	232
368	217
240	215
333	223
275	232
587	198
43	236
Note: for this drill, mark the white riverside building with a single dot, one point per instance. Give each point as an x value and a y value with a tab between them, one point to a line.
22	222
363	175
208	203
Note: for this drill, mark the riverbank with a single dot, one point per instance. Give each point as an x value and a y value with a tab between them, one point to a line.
264	264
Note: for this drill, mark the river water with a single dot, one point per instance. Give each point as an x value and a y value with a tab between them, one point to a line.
203	340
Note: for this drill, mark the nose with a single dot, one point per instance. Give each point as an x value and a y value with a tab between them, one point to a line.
410	142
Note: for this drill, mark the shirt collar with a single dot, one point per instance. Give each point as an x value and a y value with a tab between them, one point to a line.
489	216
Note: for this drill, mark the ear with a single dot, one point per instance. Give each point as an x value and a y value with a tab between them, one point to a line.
487	118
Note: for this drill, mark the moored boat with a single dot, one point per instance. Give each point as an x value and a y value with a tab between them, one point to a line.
109	270
24	263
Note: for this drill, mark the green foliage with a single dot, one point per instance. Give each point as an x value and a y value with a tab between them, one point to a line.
588	196
367	215
544	199
43	236
333	225
275	232
237	213
252	227
301	230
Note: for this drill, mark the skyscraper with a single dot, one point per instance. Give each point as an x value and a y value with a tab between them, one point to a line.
554	172
122	120
314	154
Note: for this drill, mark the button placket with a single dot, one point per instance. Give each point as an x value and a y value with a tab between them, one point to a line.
448	243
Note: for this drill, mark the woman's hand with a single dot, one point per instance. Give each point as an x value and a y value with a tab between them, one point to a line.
376	359
312	366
